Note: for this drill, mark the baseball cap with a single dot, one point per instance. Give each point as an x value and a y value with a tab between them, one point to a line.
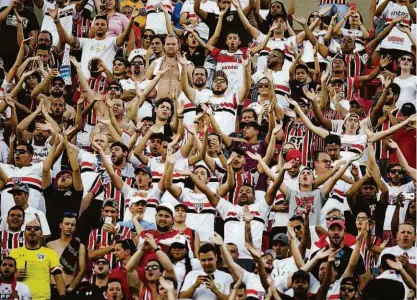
339	223
281	237
137	199
182	205
19	187
221	74
167	207
111	203
293	154
300	274
143	168
271	252
179	239
251	123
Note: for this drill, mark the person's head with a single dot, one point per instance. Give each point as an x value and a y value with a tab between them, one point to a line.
224	4
250	130
64	180
354	19
297	222
384	266
180	213
249	115
119	153
190	40
58	107
137	65
239	159
45	38
153	270
322	162
127	11
337	231
406	62
287	147
351	124
411	210
268	260
146	37
179	248
15	218
241	290
295	156
164	146
155	143
208	258
120	66
20	192
114	90
162	292
220	83
406	235
335	85
347	44
23	154
277	8
280	21
143	177
41	132
233	250
369	189
147	123
17	4
32	81
306	178
246	195
101	25
42	51
300	283
202	173
199	78
276	58
394	92
163	108
57	87
7	268
164	217
110	208
263	87
348	288
124	249
101	268
281	245
301	73
362	219
233	41
332	146
68	224
313	16
114	289
33	233
323	272
113	5
171	46
333	215
395	174
338	66
157	43
102	140
357	107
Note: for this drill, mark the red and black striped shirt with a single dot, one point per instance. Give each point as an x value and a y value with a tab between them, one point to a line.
11	240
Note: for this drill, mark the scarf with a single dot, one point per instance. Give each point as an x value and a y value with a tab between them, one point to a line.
69	256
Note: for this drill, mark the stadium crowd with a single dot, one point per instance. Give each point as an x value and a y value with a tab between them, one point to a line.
228	149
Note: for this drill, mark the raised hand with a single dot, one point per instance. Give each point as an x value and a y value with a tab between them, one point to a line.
392	144
291	101
167	285
135	13
325	10
53	13
155	128
163	70
216	239
254	156
247	216
18	17
299	19
190	129
398	19
396	265
254	252
231	158
151	241
170	157
322	253
289	164
185	172
290	231
181	59
385	61
311	95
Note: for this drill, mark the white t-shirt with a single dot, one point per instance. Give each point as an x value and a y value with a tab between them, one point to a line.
397	251
392	200
222	281
281	81
190	108
30	215
180	270
408	90
155	17
207	6
66	17
21	289
253	284
234	227
105	49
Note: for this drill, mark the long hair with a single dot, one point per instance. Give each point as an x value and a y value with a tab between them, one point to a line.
188	267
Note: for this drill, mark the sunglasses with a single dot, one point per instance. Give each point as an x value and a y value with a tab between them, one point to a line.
406	59
345	288
103	261
70	214
35	228
263	85
396	171
20	151
298	227
333	218
151	268
147	36
113	88
137	63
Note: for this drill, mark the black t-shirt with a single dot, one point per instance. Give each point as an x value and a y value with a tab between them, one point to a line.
341	263
377	209
8	28
198	57
297	90
381	289
231	21
59	202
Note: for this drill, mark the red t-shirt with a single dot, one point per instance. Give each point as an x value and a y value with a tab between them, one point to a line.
121	274
406	140
163	241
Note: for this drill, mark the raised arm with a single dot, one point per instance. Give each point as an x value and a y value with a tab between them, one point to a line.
63	35
318	114
236	270
138	151
243	93
224	189
199	11
22	134
76	172
323	50
170	161
252	30
328	186
403	161
121	39
47	164
377	136
227	141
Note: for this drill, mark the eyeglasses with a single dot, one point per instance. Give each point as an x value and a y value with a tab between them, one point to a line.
35	228
361	218
345	288
406	59
396	171
102	261
298	227
113	88
265	85
333	218
137	63
315	16
151	268
147	36
20	151
70	214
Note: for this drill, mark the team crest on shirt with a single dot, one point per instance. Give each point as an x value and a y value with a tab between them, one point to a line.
41	256
230	18
337	263
198	207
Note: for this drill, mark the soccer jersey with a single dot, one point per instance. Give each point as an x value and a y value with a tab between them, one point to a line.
234	225
11	240
206	5
7	289
40	264
32	176
200	214
397	251
281	80
155	19
392	202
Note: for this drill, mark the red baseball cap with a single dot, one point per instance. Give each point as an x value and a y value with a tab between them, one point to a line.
293	154
339	223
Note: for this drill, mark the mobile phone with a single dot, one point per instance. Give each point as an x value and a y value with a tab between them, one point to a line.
409	196
267	102
108	220
352	5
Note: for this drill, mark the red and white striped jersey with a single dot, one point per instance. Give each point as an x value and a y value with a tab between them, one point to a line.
99	238
382	152
11	240
340	2
297	133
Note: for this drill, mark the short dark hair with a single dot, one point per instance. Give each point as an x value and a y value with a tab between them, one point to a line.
317	154
127	244
16	208
205	168
395	88
148	119
111	280
238	150
255	115
242	285
29	146
48	33
121	145
301	66
232	32
157	36
350	280
163	100
279	51
200	67
98	17
390	166
332	139
206	248
123	60
247	185
384	258
161	268
9	258
41	47
295	218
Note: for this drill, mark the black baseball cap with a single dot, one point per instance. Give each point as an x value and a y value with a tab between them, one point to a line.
145	169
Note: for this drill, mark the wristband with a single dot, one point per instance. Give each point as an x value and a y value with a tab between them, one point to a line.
180	117
157	249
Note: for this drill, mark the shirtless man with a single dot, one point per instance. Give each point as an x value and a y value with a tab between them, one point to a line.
70	251
169	85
